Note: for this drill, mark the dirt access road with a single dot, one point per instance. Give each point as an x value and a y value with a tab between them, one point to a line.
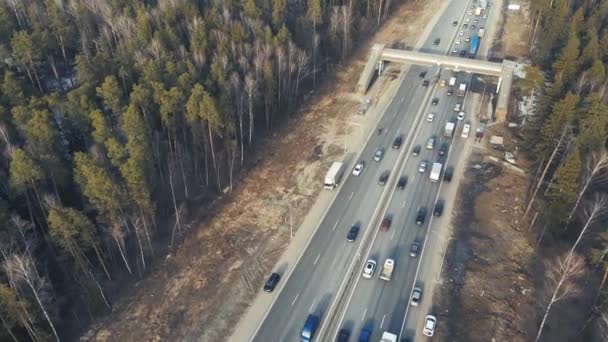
199	292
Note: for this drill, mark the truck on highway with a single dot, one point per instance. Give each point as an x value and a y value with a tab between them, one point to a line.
473	46
332	178
309	329
462	88
452	81
449	129
388	337
387	269
478	11
436	172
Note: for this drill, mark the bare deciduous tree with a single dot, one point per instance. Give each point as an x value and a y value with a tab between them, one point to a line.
595	163
251	89
561	274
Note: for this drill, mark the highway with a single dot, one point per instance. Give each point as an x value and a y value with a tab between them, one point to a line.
379	305
323	268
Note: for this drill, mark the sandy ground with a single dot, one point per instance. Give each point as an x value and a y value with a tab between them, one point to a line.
199	292
512	35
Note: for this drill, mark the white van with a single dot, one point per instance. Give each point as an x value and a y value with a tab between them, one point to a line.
452	81
465	131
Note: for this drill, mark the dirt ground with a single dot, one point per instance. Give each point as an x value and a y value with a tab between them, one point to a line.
513	45
200	291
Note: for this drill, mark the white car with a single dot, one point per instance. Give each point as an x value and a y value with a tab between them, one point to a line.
457	107
470	12
379	154
368	270
430	117
416	296
457	41
461	33
465	131
485	16
429	325
422	166
455	50
467	20
358	168
461	116
467	39
474	21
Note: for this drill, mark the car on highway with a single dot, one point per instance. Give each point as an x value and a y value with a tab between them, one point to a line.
465	25
309	329
447	174
430	117
358	168
368	270
352	233
422	74
467	39
435	101
438	208
457	42
402	182
379	154
475	21
442	83
397	142
462	53
461	33
343	335
443	149
437	41
414	249
416	150
422	166
425	83
386	224
467	20
420	215
429	325
365	335
461	116
272	282
430	143
455	23
383	177
416	296
450	92
457	107
470	12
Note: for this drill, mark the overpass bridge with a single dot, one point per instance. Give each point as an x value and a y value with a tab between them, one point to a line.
504	71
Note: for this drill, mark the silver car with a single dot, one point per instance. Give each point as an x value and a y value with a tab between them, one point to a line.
379	154
422	166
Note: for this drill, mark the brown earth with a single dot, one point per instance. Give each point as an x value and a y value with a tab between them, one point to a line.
200	290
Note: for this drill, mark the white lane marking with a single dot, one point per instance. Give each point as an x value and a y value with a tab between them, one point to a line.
312	305
317	259
335	225
294	300
382	323
351	195
393	235
403	206
364	312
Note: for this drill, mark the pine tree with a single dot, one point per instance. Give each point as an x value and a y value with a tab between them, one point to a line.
564	190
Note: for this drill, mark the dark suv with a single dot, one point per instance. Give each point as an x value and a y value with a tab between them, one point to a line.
343	335
422	74
436	42
383	178
443	149
438	208
435	101
416	150
352	233
272	282
402	182
447	175
420	215
397	142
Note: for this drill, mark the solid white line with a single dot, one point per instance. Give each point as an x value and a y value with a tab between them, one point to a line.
382	323
335	225
312	305
403	206
393	235
294	300
351	195
317	259
363	317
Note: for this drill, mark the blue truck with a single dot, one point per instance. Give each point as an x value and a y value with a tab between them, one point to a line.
473	46
310	327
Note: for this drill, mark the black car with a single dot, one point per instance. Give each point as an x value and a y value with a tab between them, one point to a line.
447	175
397	142
402	182
443	149
425	83
352	233
438	208
455	23
462	53
450	92
414	249
420	215
422	74
343	335
436	42
435	101
383	178
473	27
416	150
272	282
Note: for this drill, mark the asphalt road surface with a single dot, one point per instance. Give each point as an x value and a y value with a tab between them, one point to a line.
323	268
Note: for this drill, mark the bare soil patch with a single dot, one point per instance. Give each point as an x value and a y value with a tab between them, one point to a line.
200	290
512	37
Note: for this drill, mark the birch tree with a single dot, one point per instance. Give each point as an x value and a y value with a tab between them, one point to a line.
596	163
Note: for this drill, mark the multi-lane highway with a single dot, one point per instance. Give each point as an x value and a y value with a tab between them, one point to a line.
323	269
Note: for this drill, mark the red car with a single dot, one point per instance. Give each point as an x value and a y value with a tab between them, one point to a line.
386	224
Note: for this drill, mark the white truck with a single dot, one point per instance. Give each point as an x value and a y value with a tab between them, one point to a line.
388	337
449	129
462	88
332	178
452	81
481	32
478	11
436	172
387	269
